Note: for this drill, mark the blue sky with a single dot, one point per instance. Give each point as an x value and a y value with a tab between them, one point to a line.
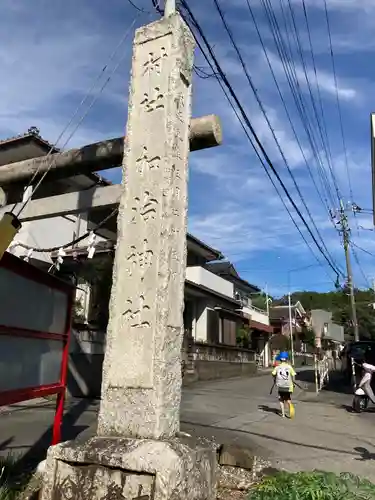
51	52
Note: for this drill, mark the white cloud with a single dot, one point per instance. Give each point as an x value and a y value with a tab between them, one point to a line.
283	133
325	79
51	53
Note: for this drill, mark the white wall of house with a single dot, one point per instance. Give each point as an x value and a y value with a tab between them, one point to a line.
201	276
200	333
46	233
257	315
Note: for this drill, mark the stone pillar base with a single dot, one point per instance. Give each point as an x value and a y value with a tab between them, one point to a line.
131	469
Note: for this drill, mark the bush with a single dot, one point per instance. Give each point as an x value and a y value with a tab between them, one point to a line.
313	486
12	481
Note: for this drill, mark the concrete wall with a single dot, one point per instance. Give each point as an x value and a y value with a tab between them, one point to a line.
210	362
201	276
335	332
211	370
218	361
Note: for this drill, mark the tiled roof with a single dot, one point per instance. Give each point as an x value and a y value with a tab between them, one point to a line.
227	269
32	132
35	133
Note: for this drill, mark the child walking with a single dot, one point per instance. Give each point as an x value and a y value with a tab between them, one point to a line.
283	376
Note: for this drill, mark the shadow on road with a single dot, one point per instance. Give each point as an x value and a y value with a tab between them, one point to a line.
268	409
37	452
337	382
365	454
276	439
5	444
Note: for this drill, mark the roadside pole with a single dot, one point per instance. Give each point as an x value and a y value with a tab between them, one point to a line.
291	326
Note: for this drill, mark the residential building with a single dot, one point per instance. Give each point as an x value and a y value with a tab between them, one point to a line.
52	231
258	319
282	318
325	330
217	302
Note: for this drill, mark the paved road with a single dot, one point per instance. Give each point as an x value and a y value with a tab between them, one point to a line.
324	435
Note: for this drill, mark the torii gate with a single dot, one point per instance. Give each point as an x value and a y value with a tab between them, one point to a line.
138	452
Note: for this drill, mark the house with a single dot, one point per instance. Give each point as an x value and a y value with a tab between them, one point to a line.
258	319
53	231
326	332
281	322
214	308
212	316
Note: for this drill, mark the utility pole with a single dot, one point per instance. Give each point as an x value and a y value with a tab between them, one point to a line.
291	326
345	229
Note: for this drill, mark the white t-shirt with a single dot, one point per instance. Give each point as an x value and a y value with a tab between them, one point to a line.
283	376
369	370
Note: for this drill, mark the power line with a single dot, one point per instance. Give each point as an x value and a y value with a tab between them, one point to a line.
249	79
138	8
94	100
316	114
316	76
323	201
288	64
257	154
338	98
363	250
359	265
252	130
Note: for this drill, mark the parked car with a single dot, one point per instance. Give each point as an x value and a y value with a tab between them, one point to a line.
358	351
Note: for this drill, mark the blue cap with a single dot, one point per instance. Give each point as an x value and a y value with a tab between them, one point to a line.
283	356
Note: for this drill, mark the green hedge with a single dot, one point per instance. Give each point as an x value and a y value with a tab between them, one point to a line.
313	486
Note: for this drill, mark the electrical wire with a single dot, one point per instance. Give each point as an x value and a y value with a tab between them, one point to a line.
338	99
202	73
156	5
355	255
260	159
314	106
93	102
323	201
262	108
257	153
306	17
138	8
285	53
257	141
362	249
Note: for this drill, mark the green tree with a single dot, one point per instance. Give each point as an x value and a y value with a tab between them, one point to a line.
338	302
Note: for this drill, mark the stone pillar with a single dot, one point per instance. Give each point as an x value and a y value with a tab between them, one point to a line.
137	453
142	365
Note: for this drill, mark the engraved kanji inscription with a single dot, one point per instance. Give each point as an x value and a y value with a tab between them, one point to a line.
153	100
154	62
135	313
147	161
173	172
145	207
140	258
180	108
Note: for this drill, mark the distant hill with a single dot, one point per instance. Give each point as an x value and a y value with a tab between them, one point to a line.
338	302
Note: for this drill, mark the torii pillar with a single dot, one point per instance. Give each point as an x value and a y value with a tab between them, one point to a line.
137	453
